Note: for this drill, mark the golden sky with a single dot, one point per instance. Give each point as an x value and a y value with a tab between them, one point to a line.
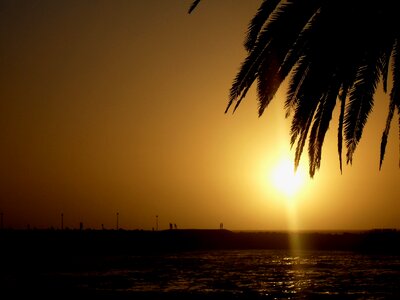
118	106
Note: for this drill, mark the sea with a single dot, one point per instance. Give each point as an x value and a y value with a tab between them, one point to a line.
222	274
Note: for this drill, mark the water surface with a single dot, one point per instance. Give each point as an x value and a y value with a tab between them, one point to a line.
235	274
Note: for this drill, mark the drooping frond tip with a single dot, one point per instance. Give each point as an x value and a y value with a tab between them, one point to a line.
342	97
193	6
386	132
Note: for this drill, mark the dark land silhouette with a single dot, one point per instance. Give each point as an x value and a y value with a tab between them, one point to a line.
118	242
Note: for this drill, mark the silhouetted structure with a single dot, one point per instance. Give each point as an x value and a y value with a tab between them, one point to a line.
81	226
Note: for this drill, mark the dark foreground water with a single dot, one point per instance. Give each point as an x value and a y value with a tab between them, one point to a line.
228	274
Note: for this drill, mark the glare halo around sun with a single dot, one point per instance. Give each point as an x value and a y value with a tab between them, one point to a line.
285	180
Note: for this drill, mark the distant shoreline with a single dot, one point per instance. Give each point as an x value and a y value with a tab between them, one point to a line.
115	242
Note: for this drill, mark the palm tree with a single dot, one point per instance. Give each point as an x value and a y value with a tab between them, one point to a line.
332	51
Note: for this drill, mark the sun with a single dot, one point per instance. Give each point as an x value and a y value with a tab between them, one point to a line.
285	180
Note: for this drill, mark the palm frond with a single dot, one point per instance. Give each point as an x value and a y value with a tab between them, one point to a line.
299	75
303	111
321	122
258	21
305	105
395	92
309	82
302	141
384	64
279	67
267	84
269	50
360	103
386	131
394	100
246	76
193	6
330	49
303	41
342	98
312	94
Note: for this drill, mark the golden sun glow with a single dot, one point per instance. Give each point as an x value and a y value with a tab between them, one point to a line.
285	180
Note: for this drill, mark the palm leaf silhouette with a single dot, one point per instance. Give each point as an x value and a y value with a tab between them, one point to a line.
193	6
332	51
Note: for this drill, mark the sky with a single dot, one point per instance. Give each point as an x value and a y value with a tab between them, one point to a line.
118	106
